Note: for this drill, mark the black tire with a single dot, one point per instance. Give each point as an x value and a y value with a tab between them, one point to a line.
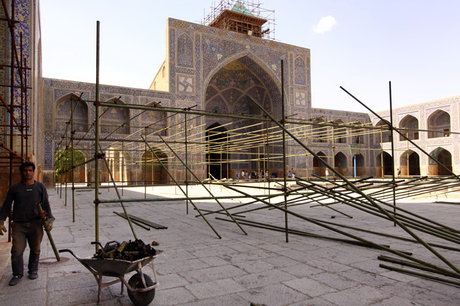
141	298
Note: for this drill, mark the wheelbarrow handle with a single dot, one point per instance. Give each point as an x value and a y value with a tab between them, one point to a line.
69	251
98	243
108	243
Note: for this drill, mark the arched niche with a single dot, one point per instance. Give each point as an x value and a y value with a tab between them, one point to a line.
409	163
358	165
63	164
341	163
237	87
411	124
357	134
154	163
385	164
115	120
439	124
217	151
340	132
115	166
319	164
71	105
445	158
319	132
384	134
155	122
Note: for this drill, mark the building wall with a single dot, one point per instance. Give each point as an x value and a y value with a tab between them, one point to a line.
197	54
422	112
26	15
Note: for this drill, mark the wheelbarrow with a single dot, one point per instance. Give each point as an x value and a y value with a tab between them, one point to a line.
141	288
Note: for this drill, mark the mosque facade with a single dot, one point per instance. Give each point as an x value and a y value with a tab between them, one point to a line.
221	69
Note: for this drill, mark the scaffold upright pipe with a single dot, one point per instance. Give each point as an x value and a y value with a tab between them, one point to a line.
392	150
96	136
283	123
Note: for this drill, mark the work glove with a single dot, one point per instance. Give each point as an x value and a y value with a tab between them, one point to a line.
49	225
2	228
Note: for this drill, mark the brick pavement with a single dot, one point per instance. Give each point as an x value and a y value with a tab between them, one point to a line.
197	268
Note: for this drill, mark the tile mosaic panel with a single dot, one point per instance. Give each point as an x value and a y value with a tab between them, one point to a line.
184	51
300	71
185	84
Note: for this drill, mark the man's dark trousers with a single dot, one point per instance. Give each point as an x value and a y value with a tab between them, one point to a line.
22	233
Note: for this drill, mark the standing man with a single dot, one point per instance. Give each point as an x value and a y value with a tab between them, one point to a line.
26	221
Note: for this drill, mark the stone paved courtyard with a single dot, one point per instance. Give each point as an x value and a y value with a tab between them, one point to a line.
197	268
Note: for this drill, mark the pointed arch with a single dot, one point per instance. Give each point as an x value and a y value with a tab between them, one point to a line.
117	161
114	119
269	76
67	105
319	164
242	80
439	124
357	134
358	165
411	123
409	163
341	163
155	121
384	134
319	132
340	132
153	171
63	165
217	151
384	162
445	158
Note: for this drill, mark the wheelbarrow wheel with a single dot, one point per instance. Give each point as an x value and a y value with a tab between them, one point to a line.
141	298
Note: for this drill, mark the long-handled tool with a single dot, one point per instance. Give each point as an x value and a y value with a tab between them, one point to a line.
46	223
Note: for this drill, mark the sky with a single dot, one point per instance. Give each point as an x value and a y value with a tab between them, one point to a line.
360	45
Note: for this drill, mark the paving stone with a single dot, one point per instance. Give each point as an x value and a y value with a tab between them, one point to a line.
395	300
328	265
301	270
77	296
73	280
214	288
357	296
213	273
273	295
185	265
254	266
214	261
263	278
400	276
363	277
309	287
428	298
32	298
247	256
280	261
409	292
296	255
227	300
173	296
171	280
317	301
335	281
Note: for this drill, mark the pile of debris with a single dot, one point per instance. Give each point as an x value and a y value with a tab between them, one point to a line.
131	250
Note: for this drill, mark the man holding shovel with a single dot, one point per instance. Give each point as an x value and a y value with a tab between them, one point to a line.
27	223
